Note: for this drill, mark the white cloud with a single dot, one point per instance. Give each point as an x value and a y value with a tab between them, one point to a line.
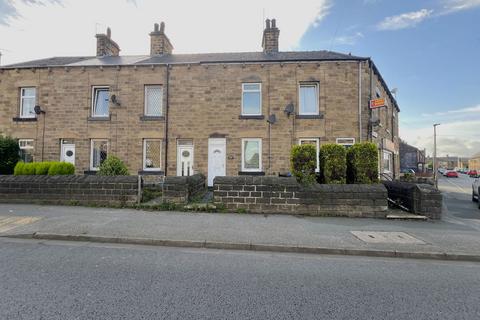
467	111
404	20
348	39
192	26
457	5
459	138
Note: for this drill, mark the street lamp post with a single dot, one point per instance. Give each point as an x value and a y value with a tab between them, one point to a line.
435	169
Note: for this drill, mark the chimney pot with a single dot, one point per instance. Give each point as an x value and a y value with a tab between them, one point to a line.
268	24
162	27
274	23
109	33
155	27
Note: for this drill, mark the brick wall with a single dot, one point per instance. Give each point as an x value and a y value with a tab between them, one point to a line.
285	195
421	199
69	189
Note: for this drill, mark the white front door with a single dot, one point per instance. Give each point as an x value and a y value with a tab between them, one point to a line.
216	158
68	153
184	160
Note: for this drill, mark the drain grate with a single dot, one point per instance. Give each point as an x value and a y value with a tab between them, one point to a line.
386	237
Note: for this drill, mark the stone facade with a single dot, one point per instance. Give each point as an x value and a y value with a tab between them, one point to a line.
201	100
69	190
285	195
411	157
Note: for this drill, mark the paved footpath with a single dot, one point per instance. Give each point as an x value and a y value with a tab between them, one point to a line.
374	237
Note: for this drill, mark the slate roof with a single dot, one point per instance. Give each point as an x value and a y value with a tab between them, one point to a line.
238	57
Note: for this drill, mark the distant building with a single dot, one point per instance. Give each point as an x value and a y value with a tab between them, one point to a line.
411	157
474	162
450	162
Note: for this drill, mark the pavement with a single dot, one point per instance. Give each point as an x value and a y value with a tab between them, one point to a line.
456	237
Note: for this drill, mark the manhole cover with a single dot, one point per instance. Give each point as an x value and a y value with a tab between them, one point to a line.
386	237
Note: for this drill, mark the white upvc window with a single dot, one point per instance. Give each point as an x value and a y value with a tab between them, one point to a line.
26	149
152	154
153	100
251	99
346	142
252	154
98	153
28	98
308	99
387	162
100	101
315	142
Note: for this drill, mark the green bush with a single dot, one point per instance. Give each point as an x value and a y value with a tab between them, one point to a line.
113	166
28	169
18	170
362	163
333	164
60	168
41	168
303	159
9	154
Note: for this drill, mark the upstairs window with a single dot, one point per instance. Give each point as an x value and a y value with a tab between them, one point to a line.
26	150
98	153
153	100
100	101
251	99
308	99
252	155
27	102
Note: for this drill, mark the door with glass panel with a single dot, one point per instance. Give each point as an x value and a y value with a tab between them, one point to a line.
216	158
184	159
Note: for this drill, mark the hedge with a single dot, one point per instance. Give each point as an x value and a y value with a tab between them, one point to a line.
362	163
333	164
43	168
9	154
113	166
303	161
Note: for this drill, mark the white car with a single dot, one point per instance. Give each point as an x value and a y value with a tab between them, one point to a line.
476	191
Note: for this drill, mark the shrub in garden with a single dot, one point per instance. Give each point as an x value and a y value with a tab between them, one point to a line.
41	168
362	163
303	159
61	168
28	169
333	164
9	154
113	166
18	170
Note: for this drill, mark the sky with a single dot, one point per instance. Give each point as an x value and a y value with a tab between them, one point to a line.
428	49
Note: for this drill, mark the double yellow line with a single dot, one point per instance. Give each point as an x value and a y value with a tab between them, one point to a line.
8	222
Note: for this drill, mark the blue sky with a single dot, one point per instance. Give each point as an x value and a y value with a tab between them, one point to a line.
427	49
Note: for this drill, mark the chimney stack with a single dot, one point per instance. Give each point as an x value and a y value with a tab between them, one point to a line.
159	42
106	46
270	37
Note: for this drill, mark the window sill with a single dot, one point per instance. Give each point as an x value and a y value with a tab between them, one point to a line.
103	118
90	172
20	119
152	118
251	173
151	173
309	116
245	117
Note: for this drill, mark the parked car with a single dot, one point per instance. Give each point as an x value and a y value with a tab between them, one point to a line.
451	174
473	174
476	191
409	170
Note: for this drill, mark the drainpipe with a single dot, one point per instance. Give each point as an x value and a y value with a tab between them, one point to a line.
370	126
359	101
167	91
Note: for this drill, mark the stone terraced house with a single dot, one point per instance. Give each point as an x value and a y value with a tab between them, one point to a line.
179	114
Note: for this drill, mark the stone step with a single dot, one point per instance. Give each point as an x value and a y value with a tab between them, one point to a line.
406	216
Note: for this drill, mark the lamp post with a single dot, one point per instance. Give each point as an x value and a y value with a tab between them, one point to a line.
435	169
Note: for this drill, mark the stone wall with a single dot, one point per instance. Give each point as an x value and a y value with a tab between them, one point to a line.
69	189
178	189
421	199
285	195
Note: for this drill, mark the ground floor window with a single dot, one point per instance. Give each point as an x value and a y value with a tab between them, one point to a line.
98	153
152	154
387	161
26	149
315	142
252	154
